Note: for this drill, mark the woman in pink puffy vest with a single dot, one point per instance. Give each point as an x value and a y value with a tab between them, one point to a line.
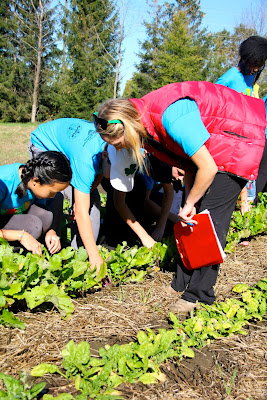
215	134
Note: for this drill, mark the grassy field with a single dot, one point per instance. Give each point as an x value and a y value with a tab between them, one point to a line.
14	142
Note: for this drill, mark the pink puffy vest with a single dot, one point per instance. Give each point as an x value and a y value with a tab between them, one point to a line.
236	124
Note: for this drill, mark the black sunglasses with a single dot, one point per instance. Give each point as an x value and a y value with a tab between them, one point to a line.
103	123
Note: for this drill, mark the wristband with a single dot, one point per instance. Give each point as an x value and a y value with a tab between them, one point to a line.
244	202
21	235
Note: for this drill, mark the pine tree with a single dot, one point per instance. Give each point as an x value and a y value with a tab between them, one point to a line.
175	50
144	80
180	57
91	41
14	82
31	33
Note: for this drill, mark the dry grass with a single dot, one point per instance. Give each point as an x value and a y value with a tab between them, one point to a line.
115	315
14	142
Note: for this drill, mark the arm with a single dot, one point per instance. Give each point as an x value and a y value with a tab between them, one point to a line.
127	215
162	212
27	240
206	171
245	205
82	206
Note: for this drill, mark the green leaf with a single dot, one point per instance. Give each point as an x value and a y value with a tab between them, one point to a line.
14	387
148	379
45	368
82	353
102	272
62	396
82	254
262	285
67	253
240	288
8	318
50	293
35	390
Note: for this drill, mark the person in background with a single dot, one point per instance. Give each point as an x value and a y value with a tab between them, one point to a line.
252	58
78	140
21	219
207	130
247	196
130	196
243	78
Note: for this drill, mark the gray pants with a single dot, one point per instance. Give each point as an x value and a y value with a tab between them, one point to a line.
36	221
94	211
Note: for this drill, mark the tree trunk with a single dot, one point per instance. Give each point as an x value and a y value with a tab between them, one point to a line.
37	72
64	36
119	53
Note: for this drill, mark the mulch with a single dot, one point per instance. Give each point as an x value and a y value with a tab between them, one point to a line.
229	368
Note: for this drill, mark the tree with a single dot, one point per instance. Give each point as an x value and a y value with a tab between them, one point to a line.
13	71
180	56
144	80
92	53
32	54
255	17
175	49
35	35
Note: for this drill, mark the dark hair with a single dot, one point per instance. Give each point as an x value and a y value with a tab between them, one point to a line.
48	167
252	51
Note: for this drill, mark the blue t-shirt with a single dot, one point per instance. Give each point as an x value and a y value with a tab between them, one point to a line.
183	123
148	181
81	144
234	79
251	188
10	203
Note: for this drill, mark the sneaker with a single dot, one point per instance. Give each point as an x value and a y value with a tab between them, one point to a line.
182	306
168	290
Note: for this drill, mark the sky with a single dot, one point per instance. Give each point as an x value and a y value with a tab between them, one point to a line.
219	14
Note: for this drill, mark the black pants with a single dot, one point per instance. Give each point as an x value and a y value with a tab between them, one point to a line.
261	180
220	199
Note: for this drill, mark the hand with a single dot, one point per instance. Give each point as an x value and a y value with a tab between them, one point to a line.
96	262
52	241
187	213
148	242
31	244
158	233
245	207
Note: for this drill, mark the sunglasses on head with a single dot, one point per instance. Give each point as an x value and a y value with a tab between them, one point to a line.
103	123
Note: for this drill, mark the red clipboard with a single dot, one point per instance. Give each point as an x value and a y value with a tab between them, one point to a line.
199	246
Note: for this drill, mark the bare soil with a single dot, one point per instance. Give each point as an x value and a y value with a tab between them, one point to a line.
230	368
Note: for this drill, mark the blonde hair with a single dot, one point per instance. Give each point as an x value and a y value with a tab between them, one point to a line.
131	127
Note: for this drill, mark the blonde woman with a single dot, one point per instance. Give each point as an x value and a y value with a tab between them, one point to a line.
206	129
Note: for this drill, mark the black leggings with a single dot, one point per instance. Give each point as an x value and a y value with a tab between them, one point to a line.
262	174
220	199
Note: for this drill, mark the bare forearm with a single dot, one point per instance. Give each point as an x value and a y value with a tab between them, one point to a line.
131	221
82	206
85	228
10	234
129	218
202	182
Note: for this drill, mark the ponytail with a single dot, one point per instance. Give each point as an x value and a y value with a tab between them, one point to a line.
48	167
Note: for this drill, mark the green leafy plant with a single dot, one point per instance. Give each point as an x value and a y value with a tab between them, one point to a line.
140	360
55	279
251	224
18	388
228	386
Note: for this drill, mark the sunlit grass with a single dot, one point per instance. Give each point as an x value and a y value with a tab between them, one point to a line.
14	138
